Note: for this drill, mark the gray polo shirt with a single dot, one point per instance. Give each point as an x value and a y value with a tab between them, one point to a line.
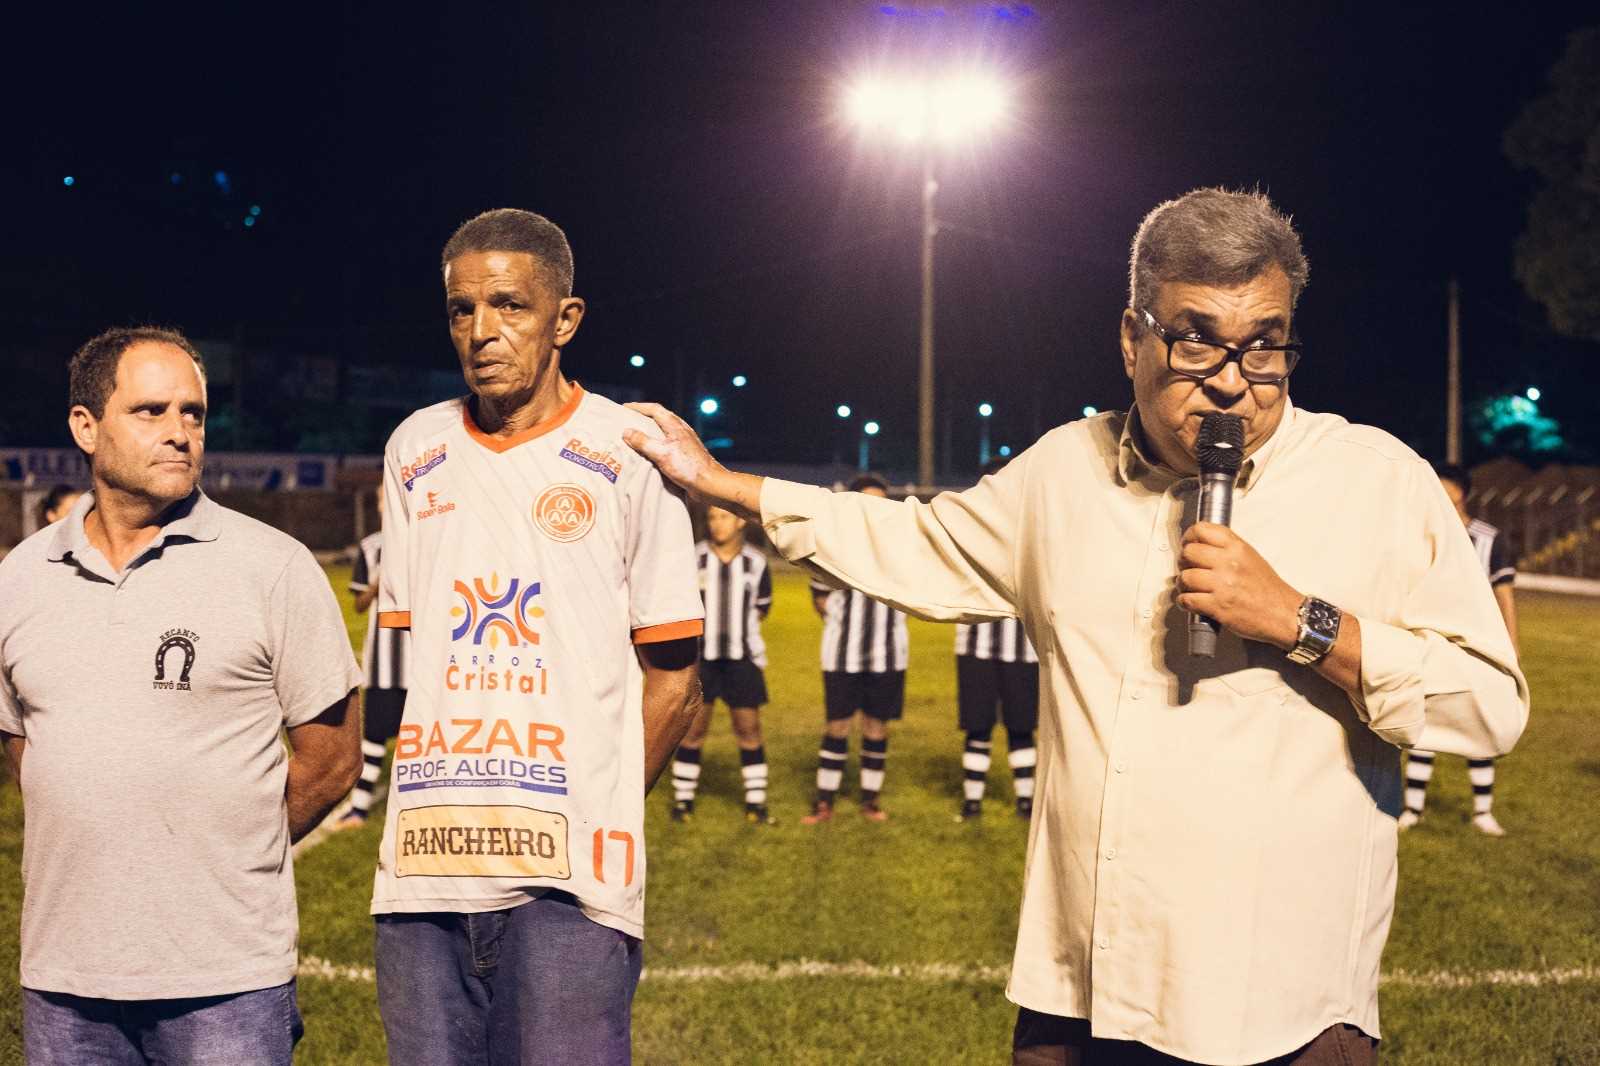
156	851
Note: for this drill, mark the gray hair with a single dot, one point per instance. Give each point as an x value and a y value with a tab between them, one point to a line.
509	229
1214	237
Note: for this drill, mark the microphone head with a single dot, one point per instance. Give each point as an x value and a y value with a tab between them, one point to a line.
1220	447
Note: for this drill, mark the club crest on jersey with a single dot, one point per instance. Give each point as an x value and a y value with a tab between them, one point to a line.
496	616
421	465
602	463
564	512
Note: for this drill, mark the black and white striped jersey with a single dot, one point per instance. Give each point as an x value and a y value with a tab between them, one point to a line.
1004	640
861	636
385	651
1492	552
737	595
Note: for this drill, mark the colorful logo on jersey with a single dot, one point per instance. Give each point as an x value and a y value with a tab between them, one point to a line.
564	512
495	616
180	640
472	840
602	463
421	465
437	505
481	753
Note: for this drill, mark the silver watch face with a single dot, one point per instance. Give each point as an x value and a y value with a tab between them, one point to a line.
1321	617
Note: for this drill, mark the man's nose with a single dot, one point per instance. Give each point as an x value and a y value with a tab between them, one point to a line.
485	323
1228	382
180	434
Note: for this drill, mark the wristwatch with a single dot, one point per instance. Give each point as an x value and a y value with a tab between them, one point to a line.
1319	631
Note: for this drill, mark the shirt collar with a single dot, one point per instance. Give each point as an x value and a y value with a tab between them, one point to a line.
1132	462
195	518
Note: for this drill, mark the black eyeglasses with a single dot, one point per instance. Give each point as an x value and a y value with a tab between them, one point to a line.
1195	357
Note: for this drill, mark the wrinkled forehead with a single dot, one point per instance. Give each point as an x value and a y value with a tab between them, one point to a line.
476	270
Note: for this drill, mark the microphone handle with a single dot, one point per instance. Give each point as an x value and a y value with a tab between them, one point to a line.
1216	505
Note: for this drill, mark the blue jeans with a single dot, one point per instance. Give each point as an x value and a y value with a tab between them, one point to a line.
245	1029
532	985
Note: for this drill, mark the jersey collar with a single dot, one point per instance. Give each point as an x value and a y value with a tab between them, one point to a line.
504	444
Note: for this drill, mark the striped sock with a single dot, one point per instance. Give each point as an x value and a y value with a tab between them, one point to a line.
975	766
1419	771
685	773
873	755
830	767
753	767
1023	757
1481	773
371	770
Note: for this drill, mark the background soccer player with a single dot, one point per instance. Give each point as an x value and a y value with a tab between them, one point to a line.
383	665
865	647
736	587
1501	570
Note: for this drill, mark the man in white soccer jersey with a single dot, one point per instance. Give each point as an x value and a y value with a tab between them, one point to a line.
736	587
383	664
1501	568
1211	864
865	649
997	679
548	580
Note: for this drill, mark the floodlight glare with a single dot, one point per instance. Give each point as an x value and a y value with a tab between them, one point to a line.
739	381
985	410
949	107
709	405
870	429
1089	411
1534	394
636	360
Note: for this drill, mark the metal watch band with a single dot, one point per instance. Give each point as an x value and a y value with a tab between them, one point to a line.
1319	631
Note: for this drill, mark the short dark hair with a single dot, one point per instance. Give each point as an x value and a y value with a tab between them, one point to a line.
92	372
1215	237
868	481
52	500
510	229
1456	474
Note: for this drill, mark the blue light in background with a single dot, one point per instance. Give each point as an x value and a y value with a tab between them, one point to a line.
1089	410
1533	393
1005	451
636	360
175	178
249	220
221	178
740	381
709	405
255	210
69	181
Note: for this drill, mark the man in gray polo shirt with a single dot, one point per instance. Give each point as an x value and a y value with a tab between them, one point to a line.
153	648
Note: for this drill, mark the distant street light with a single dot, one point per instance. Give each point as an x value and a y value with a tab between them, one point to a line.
1005	451
740	381
709	405
928	113
636	360
1089	410
1534	394
870	429
843	410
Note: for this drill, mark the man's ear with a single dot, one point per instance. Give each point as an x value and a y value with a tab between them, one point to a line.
84	427
1130	341
568	315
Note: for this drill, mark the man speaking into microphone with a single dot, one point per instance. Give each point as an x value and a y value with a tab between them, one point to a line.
1211	865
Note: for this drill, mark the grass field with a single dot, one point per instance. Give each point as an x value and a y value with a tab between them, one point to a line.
1494	957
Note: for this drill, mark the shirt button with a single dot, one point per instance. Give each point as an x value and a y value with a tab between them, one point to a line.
1135	695
1105	942
1146	613
1111	853
1163	547
1121	766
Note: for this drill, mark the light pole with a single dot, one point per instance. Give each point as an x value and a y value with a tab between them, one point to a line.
984	411
928	112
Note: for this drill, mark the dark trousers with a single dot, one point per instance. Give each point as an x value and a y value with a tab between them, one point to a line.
1047	1040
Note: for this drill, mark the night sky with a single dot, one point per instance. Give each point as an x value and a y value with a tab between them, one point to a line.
724	219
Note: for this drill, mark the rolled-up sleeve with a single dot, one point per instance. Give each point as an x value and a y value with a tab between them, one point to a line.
949	560
1443	676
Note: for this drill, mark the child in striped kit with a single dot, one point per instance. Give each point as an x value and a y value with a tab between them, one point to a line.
736	587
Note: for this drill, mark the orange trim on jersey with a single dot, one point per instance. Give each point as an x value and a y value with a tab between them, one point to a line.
504	444
394	619
692	627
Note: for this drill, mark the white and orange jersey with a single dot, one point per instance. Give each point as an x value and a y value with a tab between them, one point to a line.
526	569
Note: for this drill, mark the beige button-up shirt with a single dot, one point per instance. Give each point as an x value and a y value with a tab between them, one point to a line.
1211	867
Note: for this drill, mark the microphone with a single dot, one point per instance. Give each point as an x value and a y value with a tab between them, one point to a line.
1219	451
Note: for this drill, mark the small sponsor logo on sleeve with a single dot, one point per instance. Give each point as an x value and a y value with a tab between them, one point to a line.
601	462
422	464
481	841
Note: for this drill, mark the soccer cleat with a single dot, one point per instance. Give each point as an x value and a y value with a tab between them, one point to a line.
821	811
756	814
970	809
1407	819
873	813
1485	823
351	820
683	811
1025	808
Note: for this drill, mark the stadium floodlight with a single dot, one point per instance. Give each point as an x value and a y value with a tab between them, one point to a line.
985	410
1533	394
636	360
929	112
870	429
1090	410
740	381
843	410
709	405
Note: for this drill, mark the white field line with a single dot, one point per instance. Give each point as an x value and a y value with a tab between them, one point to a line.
746	972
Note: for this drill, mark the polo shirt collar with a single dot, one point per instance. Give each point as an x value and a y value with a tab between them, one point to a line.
1133	463
194	518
